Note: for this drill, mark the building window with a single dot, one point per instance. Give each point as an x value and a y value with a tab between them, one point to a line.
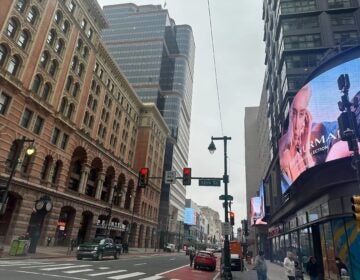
58	17
21	5
14	65
83	24
70	111
65	27
4	103
75	90
23	39
342	19
53	68
90	33
300	23
335	4
38	125
69	83
85	52
3	54
11	28
64	141
44	59
46	92
63	106
51	37
80	70
36	84
291	6
302	41
79	45
71	7
59	46
26	118
74	63
32	16
346	37
55	136
56	172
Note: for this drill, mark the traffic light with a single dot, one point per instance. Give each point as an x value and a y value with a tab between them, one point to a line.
187	176
232	218
355	200
143	177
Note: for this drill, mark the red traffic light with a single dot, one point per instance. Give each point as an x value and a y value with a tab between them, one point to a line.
232	215
187	171
144	171
186	176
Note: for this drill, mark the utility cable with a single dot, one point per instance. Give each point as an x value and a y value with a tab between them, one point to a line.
216	79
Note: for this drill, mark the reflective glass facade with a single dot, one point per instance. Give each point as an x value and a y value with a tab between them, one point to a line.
157	57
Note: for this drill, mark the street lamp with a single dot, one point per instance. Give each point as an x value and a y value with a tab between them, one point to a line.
131	221
227	266
19	145
109	210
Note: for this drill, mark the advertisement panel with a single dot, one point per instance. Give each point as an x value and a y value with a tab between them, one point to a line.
310	134
255	206
189	216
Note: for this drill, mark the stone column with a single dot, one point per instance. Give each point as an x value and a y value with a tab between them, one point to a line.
123	197
132	201
112	191
99	186
83	178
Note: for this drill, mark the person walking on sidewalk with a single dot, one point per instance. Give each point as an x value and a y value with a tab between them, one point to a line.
312	268
260	266
192	256
289	265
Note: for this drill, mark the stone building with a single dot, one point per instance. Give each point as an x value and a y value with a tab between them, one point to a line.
61	92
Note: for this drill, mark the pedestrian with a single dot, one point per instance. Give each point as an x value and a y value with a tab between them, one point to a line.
48	241
312	268
73	244
192	256
260	266
289	265
342	268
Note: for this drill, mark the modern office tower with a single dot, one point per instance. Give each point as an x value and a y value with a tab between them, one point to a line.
157	57
304	39
62	94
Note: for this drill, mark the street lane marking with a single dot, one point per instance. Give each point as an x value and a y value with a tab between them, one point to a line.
140	264
49	265
64	267
52	275
171	270
129	275
107	272
155	277
172	260
103	267
77	271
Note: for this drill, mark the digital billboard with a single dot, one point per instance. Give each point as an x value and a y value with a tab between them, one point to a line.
310	134
189	217
255	206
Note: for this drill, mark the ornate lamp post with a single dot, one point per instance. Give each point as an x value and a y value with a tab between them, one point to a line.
227	266
13	164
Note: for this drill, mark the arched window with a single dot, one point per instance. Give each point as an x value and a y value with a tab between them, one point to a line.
93	84
11	28
94	105
83	24
23	39
65	26
76	90
91	122
32	15
53	67
59	46
3	54
90	100
70	111
20	6
44	59
97	90
14	65
85	52
51	37
46	168
80	69
79	44
58	17
71	7
46	92
63	106
69	83
74	63
36	84
86	118
56	172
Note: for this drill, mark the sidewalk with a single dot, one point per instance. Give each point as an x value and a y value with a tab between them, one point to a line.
275	272
43	252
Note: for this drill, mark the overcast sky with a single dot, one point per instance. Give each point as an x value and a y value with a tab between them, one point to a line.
239	52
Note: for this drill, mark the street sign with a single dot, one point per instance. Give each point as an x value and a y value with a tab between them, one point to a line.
170	177
229	197
209	182
226	229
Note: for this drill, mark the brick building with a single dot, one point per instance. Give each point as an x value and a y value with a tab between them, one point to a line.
92	134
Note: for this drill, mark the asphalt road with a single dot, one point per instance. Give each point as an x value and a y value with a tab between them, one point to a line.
135	268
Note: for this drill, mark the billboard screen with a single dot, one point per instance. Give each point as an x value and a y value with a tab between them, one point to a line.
189	216
310	134
255	205
262	205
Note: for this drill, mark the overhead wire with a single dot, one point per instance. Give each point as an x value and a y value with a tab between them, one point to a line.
216	77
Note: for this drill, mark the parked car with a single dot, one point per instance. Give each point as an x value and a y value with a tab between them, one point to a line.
98	248
205	259
169	247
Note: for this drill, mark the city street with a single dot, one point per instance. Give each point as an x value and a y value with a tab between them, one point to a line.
149	267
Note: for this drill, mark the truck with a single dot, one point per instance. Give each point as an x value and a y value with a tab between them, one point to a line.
236	255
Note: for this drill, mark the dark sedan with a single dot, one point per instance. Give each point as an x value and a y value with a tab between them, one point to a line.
98	248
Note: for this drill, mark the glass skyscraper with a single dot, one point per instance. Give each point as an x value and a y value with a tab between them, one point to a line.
157	57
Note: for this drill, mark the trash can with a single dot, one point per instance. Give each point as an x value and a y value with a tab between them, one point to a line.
13	247
21	248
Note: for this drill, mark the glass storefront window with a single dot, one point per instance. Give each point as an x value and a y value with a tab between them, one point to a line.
328	252
306	249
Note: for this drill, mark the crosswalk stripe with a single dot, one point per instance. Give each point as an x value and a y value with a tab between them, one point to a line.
107	272
155	277
125	276
48	265
20	263
64	267
77	271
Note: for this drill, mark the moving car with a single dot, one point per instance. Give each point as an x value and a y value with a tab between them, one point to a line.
169	247
98	248
205	259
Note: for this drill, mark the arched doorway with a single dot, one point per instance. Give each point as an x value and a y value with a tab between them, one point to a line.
64	226
85	227
147	237
132	237
140	242
14	201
